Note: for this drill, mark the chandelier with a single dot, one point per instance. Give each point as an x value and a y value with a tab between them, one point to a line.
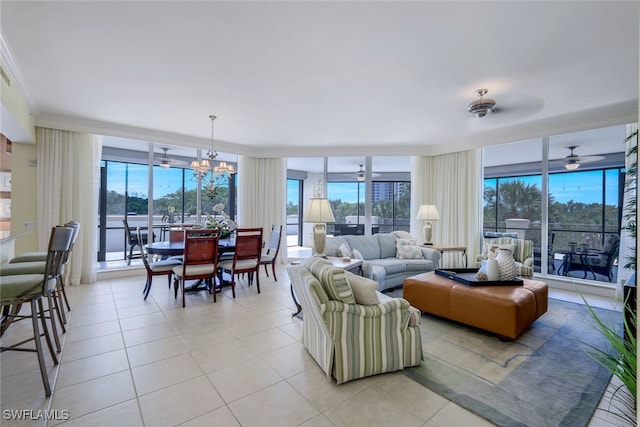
218	175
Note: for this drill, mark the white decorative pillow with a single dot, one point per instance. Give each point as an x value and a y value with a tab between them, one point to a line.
400	234
409	252
404	242
364	290
356	254
344	250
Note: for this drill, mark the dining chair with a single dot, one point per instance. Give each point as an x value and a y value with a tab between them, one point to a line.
132	239
16	290
200	260
246	258
269	256
157	268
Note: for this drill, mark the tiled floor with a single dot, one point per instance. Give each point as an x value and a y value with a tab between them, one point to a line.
127	362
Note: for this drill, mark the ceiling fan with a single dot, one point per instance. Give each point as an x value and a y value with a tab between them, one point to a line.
165	162
573	161
361	174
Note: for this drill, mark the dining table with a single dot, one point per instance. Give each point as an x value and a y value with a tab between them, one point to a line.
167	248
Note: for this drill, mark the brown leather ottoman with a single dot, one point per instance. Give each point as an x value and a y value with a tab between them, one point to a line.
504	310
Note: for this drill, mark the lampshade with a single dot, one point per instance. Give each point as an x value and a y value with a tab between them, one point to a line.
428	213
319	210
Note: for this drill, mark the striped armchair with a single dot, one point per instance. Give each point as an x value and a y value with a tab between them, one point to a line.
522	254
350	340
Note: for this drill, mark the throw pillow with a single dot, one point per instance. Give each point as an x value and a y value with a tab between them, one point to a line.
356	254
403	242
400	234
364	290
344	250
332	279
409	252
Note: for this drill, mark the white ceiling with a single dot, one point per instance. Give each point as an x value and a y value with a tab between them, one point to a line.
309	78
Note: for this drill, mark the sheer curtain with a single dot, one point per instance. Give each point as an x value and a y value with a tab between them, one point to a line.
262	195
68	187
452	182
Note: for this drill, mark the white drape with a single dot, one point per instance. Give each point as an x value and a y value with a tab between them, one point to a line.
68	187
627	244
452	182
262	196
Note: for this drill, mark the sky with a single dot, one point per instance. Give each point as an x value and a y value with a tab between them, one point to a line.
584	186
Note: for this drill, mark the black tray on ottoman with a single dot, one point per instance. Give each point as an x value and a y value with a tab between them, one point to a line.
467	276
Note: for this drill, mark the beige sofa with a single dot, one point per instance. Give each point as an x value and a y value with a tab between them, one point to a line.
382	261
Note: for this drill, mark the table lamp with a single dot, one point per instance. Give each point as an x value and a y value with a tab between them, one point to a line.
428	213
319	212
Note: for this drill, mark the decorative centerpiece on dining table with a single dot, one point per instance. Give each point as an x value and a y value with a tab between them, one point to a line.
220	219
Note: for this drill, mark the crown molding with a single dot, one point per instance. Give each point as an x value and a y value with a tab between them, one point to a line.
13	70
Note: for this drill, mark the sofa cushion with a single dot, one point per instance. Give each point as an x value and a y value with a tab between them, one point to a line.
332	245
368	247
364	290
409	252
331	278
390	265
356	254
418	265
387	244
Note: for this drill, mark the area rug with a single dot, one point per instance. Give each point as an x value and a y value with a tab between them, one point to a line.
543	378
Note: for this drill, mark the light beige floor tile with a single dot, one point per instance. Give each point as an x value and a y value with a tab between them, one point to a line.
17	414
138	310
138	322
91	317
91	347
164	373
403	392
221	417
77	371
93	330
93	395
123	414
14	389
453	414
324	394
319	421
91	309
265	341
179	403
246	327
358	410
243	378
294	329
278	405
149	333
223	355
215	335
156	350
290	360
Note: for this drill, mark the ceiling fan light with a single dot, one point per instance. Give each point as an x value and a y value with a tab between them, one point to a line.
571	166
165	165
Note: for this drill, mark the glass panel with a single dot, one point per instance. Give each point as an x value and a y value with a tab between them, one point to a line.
293	211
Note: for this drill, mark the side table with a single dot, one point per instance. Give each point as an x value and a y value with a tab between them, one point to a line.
450	248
